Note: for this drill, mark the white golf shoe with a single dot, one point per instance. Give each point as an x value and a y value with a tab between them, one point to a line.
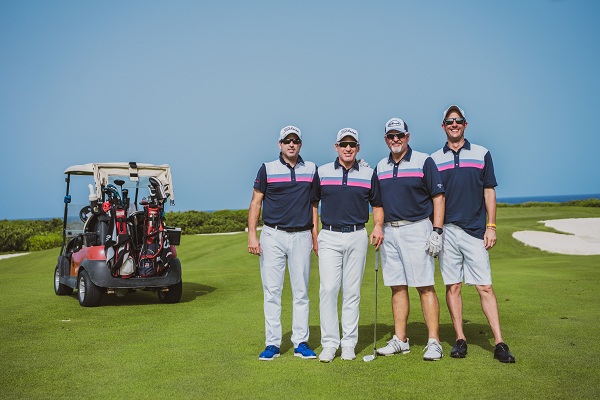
348	353
328	354
394	346
433	350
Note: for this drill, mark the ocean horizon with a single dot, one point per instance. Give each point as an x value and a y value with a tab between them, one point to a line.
506	200
547	199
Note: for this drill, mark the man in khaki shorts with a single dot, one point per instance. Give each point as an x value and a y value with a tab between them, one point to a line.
411	190
468	174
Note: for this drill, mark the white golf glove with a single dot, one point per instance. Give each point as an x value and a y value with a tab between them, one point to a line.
434	244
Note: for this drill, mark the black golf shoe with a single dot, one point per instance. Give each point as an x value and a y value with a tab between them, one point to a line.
503	354
459	350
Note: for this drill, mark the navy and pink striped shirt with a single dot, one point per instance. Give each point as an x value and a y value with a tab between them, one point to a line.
406	188
345	194
287	190
465	174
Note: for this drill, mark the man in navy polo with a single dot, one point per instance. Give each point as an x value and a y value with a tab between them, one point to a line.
283	189
345	189
411	192
468	174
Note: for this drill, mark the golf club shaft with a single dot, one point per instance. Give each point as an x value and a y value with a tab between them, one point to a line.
375	314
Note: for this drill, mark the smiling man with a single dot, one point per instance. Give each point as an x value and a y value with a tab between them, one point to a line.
283	190
345	189
411	192
468	174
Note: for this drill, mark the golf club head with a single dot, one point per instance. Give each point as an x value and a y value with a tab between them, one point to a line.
368	358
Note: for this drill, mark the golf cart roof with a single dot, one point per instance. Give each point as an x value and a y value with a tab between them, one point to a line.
102	171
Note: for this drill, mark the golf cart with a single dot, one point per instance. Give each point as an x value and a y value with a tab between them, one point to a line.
114	237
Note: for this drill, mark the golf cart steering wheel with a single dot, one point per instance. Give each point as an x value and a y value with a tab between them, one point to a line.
84	213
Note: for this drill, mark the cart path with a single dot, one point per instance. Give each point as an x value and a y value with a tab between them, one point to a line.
3	256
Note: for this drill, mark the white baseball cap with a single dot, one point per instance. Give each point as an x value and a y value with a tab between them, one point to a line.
288	130
347	132
396	124
454	108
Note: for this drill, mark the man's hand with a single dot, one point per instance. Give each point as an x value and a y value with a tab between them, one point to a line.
376	236
434	244
254	245
489	238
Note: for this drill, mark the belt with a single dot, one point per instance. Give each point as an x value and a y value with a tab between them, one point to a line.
396	224
293	229
344	228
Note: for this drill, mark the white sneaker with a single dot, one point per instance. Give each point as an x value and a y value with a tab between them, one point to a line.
348	353
433	351
328	354
394	346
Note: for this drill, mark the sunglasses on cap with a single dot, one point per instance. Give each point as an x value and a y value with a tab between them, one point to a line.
288	141
450	121
346	144
391	136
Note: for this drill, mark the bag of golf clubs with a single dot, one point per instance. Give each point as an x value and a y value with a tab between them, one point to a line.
117	246
155	253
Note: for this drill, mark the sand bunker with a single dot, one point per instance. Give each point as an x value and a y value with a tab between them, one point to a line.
584	238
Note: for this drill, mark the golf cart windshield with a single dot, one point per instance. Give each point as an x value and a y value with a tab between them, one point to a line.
89	180
132	173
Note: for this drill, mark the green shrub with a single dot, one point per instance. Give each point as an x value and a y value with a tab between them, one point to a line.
15	233
195	222
43	242
578	203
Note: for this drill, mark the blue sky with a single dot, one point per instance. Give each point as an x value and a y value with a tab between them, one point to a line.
205	86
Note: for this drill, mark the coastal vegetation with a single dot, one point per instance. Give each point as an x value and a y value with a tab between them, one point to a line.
35	235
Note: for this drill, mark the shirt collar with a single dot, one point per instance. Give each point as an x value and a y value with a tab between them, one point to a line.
405	158
337	164
466	146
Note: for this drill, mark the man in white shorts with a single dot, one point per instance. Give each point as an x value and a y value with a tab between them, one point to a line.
468	175
345	189
283	189
409	186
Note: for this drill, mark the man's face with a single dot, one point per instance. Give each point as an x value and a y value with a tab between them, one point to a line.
397	141
455	131
290	146
347	149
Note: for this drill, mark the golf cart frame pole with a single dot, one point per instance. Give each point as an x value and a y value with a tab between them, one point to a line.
67	200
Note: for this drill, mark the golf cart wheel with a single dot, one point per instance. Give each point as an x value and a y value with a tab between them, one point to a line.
89	295
173	295
59	288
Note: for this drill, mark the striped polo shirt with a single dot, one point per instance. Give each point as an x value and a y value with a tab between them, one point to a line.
287	190
465	174
345	194
406	188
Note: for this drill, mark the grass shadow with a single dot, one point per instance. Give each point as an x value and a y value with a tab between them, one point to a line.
190	292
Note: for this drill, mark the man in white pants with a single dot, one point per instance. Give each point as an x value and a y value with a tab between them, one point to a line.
283	189
345	190
411	192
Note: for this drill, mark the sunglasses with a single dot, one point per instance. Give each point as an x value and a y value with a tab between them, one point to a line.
450	121
346	144
288	141
398	136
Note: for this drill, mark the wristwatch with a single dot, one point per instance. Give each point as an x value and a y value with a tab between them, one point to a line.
438	230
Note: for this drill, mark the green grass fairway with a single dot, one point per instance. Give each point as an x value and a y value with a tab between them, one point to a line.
207	346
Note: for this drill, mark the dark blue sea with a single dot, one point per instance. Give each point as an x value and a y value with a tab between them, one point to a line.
550	199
